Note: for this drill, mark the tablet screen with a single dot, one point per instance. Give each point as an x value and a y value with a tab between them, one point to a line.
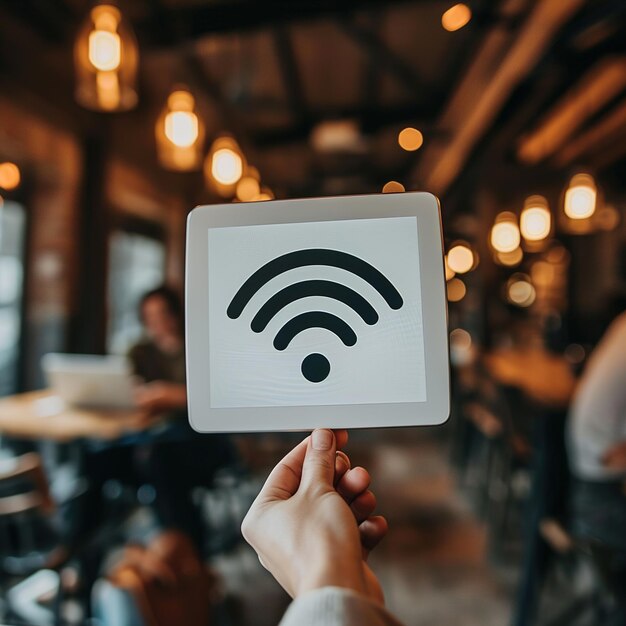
315	313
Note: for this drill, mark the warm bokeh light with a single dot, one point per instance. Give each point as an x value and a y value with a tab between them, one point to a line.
393	186
520	290
460	339
535	220
226	166
410	139
461	352
181	123
338	136
248	188
106	58
456	290
580	197
450	273
510	259
456	17
543	273
180	133
9	176
266	194
557	255
108	90
607	218
460	258
105	50
505	235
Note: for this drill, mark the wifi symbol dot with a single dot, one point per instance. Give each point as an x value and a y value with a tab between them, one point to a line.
315	367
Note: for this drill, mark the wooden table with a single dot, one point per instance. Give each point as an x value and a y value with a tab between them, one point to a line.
43	415
544	377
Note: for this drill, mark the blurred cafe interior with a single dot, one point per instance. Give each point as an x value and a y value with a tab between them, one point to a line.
117	118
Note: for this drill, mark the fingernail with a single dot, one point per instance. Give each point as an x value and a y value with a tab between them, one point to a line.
322	439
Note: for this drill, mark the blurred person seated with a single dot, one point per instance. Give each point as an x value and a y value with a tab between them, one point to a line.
597	453
312	526
175	458
168	457
159	359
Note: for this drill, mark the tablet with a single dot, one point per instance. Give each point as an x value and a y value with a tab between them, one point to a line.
325	312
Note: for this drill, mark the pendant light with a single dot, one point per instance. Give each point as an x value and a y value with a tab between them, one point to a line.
505	234
106	58
535	220
224	166
180	133
580	197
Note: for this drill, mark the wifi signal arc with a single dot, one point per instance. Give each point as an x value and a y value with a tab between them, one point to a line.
314	256
314	319
306	288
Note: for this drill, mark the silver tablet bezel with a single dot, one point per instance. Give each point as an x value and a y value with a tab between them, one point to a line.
435	410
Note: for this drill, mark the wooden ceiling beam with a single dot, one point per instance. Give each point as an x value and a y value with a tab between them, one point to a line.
600	84
487	85
595	137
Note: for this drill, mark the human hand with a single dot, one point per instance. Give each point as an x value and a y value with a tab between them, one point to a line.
312	523
615	457
160	396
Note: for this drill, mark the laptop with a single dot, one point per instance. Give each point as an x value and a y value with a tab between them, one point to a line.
90	381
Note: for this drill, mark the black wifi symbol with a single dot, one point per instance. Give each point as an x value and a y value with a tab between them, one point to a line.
315	367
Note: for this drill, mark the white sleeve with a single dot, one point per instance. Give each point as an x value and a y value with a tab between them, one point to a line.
598	412
334	606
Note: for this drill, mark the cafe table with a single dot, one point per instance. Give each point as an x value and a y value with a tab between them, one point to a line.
42	415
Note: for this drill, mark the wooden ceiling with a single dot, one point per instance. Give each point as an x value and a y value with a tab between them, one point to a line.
486	97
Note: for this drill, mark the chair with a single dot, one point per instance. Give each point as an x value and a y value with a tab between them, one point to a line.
29	542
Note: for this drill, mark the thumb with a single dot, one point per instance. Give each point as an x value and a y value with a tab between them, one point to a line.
318	469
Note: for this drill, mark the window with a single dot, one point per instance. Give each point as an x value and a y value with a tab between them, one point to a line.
136	265
12	235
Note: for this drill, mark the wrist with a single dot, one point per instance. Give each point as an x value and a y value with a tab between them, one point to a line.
333	571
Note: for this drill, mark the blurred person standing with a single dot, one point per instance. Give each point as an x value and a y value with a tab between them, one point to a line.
597	454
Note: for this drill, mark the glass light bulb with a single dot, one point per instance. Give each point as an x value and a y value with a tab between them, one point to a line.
535	220
460	259
580	197
535	223
181	128
105	50
522	293
226	166
505	236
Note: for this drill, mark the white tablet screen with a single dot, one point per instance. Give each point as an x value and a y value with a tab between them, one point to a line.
316	313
